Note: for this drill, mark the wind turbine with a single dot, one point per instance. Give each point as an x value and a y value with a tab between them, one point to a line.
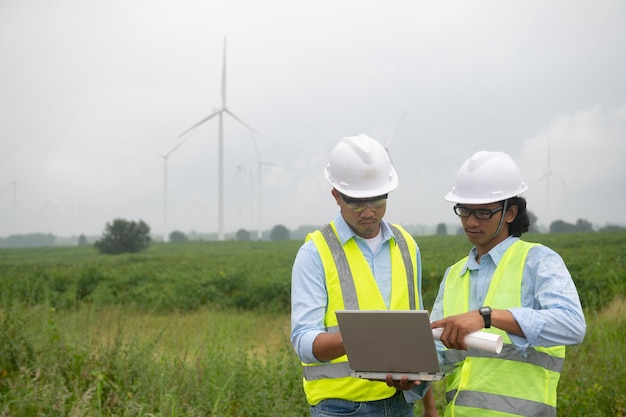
547	176
260	164
14	184
220	164
165	188
258	207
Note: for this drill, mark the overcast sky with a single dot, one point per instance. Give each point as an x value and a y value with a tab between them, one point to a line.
93	94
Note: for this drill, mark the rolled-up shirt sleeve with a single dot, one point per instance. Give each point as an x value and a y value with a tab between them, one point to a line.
308	301
551	313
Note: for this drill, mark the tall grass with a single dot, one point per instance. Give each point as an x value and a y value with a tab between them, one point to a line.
122	362
118	361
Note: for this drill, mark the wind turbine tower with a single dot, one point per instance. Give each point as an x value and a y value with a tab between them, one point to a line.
220	164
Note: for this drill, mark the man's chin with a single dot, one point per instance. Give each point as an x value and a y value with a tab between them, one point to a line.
474	237
369	230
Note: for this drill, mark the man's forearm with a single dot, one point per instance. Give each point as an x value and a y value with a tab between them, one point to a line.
328	346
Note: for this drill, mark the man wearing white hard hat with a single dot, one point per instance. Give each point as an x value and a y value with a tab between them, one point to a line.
357	261
519	290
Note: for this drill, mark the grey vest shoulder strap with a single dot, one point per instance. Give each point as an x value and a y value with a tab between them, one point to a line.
408	264
346	280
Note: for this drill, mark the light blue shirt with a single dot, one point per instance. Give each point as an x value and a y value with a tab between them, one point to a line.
550	312
309	295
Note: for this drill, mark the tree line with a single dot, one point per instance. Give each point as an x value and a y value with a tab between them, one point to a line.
126	236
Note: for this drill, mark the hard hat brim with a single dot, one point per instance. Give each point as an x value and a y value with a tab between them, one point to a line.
455	198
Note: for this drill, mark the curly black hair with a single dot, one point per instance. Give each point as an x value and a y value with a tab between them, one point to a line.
521	223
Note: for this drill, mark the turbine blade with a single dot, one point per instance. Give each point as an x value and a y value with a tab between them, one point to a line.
176	147
397	129
562	180
206	119
248	126
542	178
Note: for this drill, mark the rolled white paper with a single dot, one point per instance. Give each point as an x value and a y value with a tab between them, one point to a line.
478	340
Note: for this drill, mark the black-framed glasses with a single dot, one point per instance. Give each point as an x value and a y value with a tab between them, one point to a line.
358	205
480	214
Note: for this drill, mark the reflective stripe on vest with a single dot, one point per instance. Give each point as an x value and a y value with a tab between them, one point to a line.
341	264
507	383
408	264
509	352
492	402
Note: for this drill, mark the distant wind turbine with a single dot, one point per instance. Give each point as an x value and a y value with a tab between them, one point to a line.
165	189
220	113
15	184
6	186
258	207
165	184
260	164
547	176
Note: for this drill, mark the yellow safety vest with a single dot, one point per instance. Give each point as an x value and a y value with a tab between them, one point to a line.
504	384
351	286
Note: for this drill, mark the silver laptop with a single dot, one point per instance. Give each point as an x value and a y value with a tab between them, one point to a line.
396	342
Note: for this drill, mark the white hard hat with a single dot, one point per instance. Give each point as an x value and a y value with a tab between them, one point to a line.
360	167
487	177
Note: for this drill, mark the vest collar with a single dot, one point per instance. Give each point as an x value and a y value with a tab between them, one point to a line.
497	252
345	233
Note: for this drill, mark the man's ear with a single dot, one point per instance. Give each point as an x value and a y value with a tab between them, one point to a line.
335	194
511	213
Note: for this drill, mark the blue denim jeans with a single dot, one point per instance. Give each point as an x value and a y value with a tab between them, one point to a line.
395	406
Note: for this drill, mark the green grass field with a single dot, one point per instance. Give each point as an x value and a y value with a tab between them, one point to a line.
202	328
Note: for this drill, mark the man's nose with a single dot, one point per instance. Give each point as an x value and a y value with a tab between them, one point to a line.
472	219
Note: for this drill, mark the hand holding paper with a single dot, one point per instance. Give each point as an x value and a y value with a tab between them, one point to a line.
478	340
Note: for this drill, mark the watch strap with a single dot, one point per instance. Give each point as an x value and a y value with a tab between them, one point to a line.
486	313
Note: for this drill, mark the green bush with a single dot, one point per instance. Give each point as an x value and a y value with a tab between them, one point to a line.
123	236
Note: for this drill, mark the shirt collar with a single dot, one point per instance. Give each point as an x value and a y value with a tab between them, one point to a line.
495	254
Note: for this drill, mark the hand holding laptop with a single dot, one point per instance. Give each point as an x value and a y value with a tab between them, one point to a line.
402	384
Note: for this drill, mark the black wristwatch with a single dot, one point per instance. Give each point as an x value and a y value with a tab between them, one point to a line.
486	313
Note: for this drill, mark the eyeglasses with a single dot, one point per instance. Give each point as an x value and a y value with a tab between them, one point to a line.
480	214
358	205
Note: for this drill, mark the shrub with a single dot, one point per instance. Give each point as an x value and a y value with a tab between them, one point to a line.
124	236
178	236
279	232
